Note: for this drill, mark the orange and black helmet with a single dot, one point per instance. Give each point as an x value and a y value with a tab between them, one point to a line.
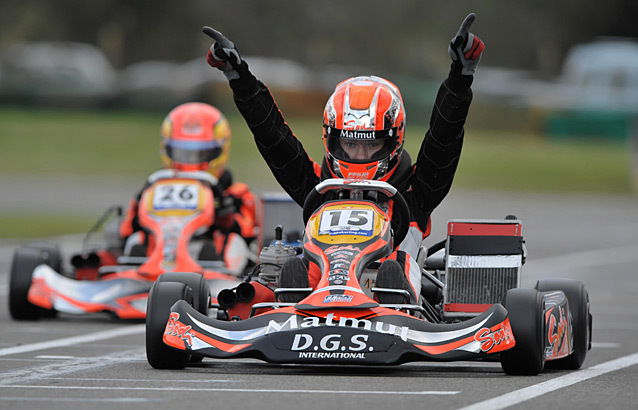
366	111
195	137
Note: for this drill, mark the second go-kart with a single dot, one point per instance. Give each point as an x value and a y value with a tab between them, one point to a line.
173	210
470	307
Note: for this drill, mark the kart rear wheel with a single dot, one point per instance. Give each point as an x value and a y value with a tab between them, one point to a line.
161	297
25	260
201	293
525	311
578	300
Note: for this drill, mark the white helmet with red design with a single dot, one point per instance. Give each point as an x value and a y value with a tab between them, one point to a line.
195	137
363	127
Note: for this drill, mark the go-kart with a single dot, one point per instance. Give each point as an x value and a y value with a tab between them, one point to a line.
470	307
174	209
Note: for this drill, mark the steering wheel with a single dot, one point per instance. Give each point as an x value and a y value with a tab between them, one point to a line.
400	211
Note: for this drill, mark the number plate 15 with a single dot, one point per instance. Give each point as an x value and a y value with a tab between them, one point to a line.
347	222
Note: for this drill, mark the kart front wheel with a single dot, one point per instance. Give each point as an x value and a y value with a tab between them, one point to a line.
525	311
25	260
161	297
197	282
201	293
53	257
578	301
51	254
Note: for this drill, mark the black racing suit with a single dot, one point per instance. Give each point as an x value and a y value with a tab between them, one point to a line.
424	184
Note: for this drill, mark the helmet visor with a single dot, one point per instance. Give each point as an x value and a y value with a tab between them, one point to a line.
193	152
361	146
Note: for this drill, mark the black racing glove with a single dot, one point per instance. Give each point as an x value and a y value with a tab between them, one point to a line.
465	48
223	54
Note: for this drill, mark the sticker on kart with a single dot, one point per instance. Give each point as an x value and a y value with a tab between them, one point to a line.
347	222
327	344
175	196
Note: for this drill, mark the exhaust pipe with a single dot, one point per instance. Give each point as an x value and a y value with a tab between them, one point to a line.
92	260
245	292
77	261
226	299
85	260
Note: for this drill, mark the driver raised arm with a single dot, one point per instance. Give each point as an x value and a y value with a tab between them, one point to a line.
363	134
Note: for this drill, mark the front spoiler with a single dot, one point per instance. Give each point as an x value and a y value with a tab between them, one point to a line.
124	294
125	297
376	336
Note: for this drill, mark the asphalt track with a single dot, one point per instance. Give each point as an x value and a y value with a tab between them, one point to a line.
99	363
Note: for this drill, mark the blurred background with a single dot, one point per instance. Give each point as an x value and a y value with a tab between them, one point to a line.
84	87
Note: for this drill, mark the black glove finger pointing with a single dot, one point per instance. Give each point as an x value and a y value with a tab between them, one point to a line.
465	26
218	37
212	33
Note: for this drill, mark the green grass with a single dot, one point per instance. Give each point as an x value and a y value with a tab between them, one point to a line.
25	225
498	160
532	163
125	145
66	142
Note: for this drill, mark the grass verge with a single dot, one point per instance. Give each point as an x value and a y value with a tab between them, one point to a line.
125	145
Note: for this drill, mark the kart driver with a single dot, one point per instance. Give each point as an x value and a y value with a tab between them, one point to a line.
196	137
371	104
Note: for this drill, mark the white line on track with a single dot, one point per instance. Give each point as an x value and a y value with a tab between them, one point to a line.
569	261
74	340
163	381
51	370
200	389
81	399
609	345
616	325
528	393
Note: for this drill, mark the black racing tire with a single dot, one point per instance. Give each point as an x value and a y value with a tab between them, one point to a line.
53	257
25	260
51	254
578	300
525	311
201	293
161	298
197	282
